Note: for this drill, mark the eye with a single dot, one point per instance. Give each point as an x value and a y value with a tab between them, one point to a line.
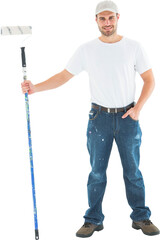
101	18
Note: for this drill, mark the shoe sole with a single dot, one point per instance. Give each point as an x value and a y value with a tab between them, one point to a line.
138	228
97	229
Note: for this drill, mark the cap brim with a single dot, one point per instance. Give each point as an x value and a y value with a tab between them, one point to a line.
106	9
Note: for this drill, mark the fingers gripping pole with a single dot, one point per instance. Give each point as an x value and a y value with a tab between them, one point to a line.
30	145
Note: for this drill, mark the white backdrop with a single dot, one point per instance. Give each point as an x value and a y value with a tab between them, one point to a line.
59	122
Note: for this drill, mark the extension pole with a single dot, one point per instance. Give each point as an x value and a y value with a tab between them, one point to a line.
30	144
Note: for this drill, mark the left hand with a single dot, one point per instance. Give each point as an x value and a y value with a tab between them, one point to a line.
133	112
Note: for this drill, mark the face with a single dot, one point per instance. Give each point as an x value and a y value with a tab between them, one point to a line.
107	22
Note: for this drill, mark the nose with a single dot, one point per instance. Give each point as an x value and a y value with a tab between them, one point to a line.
107	22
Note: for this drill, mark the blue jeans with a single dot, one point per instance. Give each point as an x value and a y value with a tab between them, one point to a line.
102	129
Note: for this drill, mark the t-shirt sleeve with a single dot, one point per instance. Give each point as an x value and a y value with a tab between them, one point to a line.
142	61
75	64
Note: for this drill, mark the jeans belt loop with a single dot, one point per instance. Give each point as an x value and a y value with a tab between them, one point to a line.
99	109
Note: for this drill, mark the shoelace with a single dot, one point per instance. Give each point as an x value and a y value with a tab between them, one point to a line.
147	222
86	224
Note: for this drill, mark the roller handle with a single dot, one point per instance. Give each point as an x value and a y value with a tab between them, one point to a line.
23	56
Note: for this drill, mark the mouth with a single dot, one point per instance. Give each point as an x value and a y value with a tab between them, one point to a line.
107	28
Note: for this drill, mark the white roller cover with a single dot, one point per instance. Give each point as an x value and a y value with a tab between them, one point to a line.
15	30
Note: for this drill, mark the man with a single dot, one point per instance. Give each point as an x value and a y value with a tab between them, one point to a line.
111	62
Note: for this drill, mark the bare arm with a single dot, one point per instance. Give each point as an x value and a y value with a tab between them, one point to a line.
148	86
56	81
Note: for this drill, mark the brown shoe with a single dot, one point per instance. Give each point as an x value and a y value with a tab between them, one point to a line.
88	229
147	227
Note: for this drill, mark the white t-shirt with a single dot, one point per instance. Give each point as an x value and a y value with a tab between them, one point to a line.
111	68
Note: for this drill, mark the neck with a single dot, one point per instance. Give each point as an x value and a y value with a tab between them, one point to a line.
110	39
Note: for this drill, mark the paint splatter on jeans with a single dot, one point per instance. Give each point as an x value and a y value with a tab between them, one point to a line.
103	128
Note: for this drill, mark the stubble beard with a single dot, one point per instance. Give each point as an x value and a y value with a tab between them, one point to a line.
108	33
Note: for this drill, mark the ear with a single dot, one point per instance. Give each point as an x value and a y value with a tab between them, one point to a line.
96	18
118	15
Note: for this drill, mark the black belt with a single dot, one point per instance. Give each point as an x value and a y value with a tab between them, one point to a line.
113	110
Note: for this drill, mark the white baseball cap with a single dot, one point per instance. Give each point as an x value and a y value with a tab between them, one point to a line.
106	6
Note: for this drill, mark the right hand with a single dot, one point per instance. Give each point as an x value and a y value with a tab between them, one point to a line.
27	86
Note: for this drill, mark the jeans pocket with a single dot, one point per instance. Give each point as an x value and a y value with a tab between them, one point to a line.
133	119
93	114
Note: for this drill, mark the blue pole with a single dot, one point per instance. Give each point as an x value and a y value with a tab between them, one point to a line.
30	146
